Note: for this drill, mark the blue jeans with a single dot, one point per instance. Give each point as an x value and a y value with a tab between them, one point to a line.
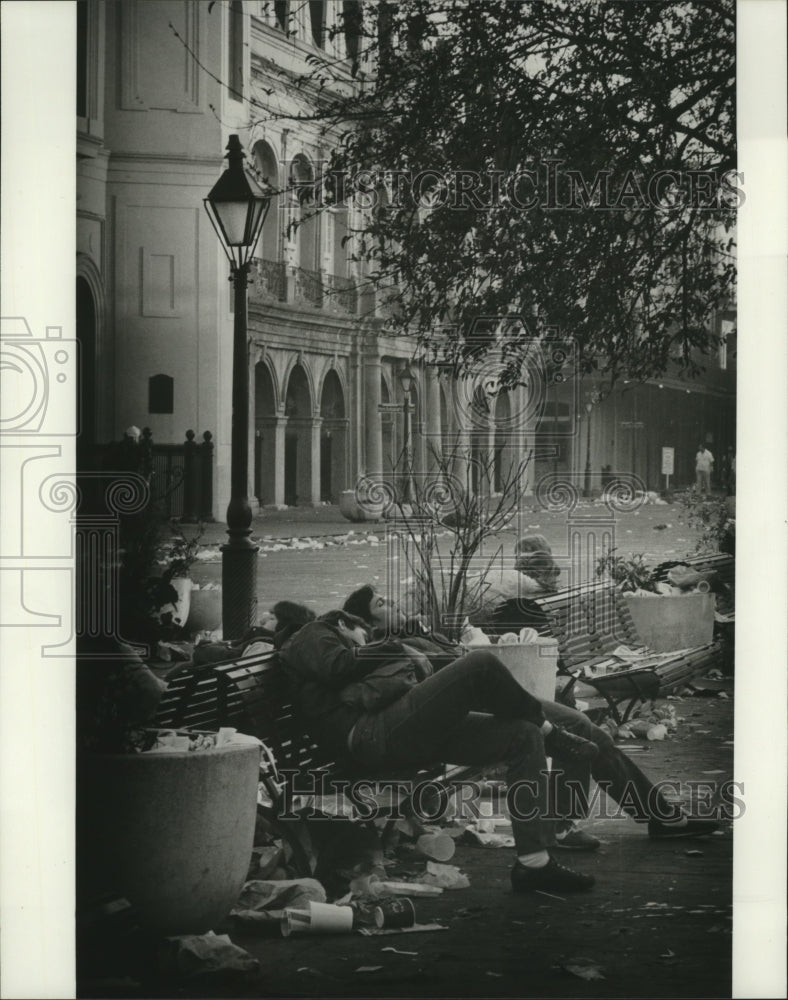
472	712
613	771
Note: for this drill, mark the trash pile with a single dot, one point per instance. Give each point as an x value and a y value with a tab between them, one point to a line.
164	741
306	543
656	722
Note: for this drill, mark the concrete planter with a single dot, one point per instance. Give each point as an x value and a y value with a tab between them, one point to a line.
205	610
533	665
666	623
172	832
350	508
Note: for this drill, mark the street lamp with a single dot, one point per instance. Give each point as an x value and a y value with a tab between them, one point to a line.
406	380
237	206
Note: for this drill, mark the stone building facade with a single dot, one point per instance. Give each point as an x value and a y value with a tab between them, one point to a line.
162	84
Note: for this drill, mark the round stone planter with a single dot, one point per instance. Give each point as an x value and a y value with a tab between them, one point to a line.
665	623
350	508
172	832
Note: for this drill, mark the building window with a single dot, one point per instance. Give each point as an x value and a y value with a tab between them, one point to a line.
82	58
160	394
317	18
235	50
282	14
351	11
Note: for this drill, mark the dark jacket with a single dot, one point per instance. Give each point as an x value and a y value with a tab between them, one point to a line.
439	650
320	663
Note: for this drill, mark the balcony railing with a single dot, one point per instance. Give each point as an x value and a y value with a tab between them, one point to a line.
268	280
273	281
342	296
309	287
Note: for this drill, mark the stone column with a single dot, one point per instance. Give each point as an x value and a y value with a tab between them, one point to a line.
460	427
524	438
432	416
373	433
317	424
279	426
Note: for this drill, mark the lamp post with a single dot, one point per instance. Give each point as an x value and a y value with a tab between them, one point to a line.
237	206
589	407
406	380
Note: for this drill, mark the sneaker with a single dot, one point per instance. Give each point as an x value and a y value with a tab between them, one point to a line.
551	876
564	745
692	828
575	839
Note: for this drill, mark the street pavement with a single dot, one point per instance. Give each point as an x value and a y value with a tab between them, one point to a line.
317	557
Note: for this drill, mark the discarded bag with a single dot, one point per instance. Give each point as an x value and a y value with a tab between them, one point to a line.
203	955
264	903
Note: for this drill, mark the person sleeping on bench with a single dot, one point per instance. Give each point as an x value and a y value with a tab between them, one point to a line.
575	762
386	706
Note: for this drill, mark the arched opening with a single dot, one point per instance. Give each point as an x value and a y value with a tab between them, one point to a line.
267	169
264	434
298	447
333	440
87	334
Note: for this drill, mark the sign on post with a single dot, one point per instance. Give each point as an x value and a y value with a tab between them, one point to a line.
668	455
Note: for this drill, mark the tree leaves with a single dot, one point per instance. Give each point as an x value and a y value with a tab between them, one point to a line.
568	161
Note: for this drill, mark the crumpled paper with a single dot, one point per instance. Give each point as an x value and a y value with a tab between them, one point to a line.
485	839
204	954
264	903
445	876
655	724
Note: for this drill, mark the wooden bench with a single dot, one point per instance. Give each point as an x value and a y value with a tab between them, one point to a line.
253	695
590	622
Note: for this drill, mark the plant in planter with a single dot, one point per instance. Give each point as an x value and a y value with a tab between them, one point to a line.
629	573
712	521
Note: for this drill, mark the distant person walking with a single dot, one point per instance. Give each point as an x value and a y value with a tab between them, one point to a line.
704	462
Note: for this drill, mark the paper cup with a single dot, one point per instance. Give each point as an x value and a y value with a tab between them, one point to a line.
327	918
294	920
320	918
